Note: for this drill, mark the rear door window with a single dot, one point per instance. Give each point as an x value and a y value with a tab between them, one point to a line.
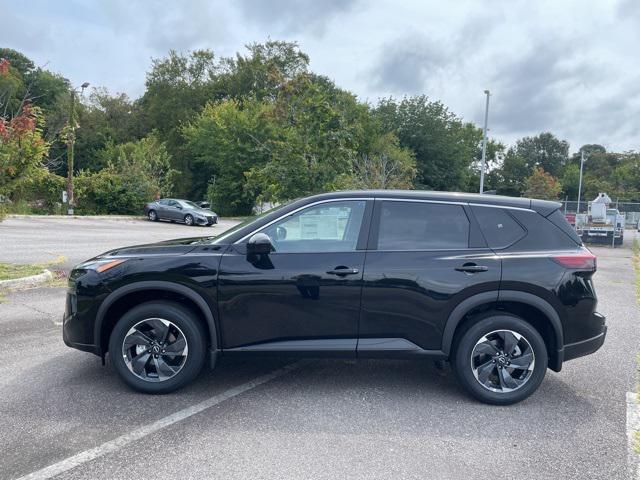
498	227
422	226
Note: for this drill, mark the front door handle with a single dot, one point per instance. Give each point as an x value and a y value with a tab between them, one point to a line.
472	268
342	271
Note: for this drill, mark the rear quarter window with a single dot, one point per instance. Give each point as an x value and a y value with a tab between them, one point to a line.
542	234
500	230
560	221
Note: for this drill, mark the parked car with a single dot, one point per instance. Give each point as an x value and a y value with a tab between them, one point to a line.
183	211
500	287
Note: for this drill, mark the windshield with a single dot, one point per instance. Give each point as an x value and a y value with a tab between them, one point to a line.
223	237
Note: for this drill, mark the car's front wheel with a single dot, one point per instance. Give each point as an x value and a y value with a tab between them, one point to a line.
158	347
188	220
500	359
152	215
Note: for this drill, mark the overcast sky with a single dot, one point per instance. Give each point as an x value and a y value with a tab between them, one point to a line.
569	67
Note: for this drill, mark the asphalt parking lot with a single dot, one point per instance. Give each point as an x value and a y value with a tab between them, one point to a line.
46	239
314	419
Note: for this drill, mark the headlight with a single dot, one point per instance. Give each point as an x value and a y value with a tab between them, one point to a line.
101	265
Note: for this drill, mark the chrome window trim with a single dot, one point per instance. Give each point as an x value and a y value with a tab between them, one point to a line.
382	199
507	207
292	212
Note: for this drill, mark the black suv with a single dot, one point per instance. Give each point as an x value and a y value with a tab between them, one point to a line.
501	287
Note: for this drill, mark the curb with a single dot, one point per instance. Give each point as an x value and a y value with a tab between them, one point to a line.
24	282
633	425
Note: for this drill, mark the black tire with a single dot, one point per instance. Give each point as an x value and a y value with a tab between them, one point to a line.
188	220
152	216
178	315
492	325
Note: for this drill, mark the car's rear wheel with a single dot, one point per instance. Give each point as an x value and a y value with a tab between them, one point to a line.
152	215
158	347
188	220
500	359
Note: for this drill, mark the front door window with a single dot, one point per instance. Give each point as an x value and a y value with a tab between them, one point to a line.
328	227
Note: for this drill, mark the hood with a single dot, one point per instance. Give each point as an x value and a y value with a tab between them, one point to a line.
178	246
203	211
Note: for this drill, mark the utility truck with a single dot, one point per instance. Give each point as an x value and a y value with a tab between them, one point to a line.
602	223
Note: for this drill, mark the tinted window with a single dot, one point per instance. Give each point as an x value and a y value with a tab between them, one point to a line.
329	227
560	221
542	234
498	227
164	202
422	226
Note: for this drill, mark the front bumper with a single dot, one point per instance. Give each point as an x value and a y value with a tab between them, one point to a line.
208	220
68	322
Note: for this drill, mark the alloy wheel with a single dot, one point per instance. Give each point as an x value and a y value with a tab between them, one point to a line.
188	220
155	349
153	215
502	361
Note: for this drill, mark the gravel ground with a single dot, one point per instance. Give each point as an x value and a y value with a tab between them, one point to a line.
323	419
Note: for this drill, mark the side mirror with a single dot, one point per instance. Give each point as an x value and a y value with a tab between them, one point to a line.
260	244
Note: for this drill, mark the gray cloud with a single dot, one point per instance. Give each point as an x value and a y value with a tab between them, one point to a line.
295	16
550	66
406	64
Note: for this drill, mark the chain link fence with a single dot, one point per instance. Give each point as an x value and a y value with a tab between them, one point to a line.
631	210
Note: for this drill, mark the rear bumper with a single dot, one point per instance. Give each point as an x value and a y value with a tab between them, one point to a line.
585	347
579	349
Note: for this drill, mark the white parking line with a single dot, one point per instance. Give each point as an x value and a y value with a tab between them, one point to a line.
141	432
633	425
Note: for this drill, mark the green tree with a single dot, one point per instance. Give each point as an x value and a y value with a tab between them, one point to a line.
135	173
318	132
544	150
541	184
224	142
386	166
261	73
444	146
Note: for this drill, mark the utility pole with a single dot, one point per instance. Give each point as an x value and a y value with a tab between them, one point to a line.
582	159
71	140
483	166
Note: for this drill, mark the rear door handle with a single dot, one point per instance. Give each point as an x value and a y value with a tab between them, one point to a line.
342	271
472	268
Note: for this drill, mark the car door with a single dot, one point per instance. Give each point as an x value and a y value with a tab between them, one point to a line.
305	295
162	206
424	258
174	211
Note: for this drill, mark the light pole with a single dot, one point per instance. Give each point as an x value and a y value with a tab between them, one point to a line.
483	166
582	160
71	140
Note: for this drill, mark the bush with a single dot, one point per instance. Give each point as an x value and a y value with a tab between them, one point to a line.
40	192
112	192
136	173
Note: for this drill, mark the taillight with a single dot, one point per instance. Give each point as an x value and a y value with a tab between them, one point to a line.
583	260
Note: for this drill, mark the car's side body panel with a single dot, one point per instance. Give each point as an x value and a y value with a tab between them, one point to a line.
402	302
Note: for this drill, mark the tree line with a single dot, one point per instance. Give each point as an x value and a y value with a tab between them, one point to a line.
260	127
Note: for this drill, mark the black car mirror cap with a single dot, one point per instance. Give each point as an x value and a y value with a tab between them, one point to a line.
260	244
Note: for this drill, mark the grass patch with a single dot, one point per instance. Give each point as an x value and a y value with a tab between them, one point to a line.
9	271
635	260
